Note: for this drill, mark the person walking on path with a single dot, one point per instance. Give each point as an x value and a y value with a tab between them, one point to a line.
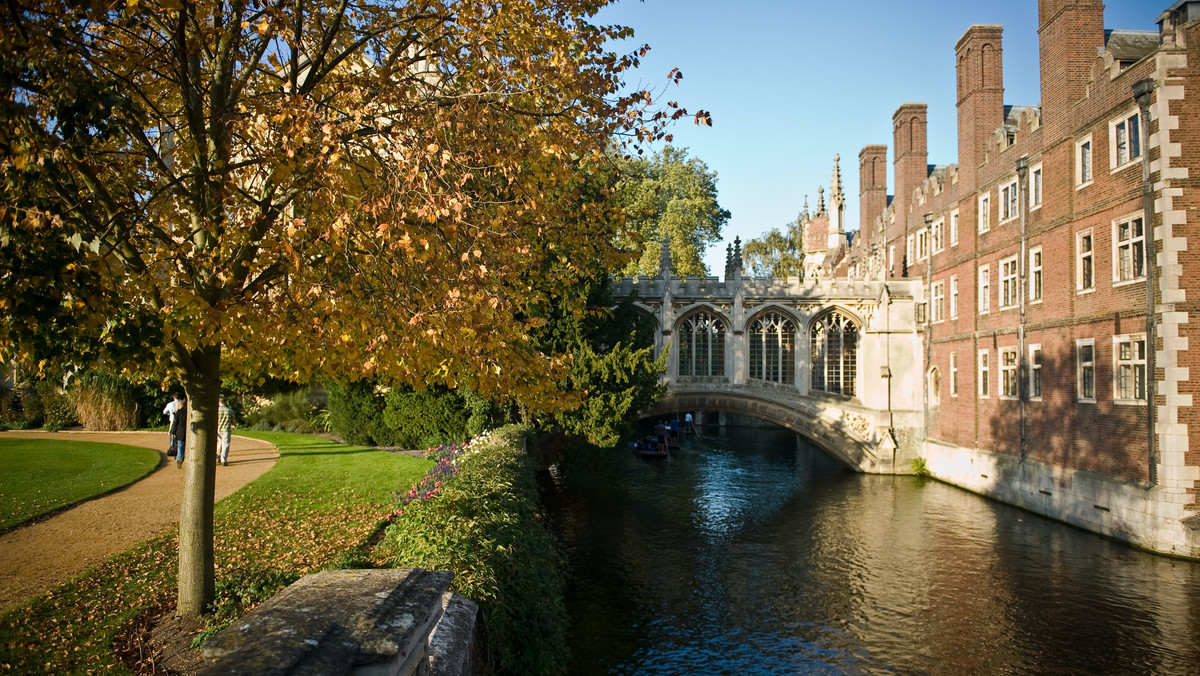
226	421
169	411
179	430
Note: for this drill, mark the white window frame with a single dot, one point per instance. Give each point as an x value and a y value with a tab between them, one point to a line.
954	228
1037	185
983	372
937	297
1037	282
983	299
1126	365
953	296
1134	143
1135	244
1084	368
936	237
1085	162
892	260
922	244
985	212
1085	260
1008	372
1034	383
910	249
954	374
1010	293
1009	205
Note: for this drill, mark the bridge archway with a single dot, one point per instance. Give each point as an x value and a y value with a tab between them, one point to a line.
834	438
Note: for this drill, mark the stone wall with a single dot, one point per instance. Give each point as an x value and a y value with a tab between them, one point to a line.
399	622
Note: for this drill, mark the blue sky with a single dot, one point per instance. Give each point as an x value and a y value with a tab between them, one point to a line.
792	83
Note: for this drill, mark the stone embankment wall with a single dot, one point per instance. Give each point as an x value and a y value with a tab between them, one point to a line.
399	622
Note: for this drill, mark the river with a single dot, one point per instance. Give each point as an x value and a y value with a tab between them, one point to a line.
751	552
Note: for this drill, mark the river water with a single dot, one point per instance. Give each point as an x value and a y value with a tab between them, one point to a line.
751	552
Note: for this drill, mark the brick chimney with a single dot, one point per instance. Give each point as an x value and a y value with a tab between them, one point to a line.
980	96
911	164
1070	34
872	188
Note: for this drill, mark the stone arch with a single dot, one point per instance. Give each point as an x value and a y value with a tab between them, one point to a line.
832	438
934	383
834	336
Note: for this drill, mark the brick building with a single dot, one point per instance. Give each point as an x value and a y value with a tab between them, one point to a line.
1039	260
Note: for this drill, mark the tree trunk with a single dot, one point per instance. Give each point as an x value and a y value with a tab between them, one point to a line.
196	562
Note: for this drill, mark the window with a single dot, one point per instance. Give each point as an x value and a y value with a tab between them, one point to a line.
985	213
910	249
1009	208
1129	257
702	346
954	296
1035	371
834	354
984	370
922	244
773	349
1130	353
1083	162
1085	277
1008	373
1035	274
935	386
1035	187
936	237
1008	282
892	261
1085	364
1125	140
954	227
954	374
939	297
985	289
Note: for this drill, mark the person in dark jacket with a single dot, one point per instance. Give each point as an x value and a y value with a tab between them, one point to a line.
179	430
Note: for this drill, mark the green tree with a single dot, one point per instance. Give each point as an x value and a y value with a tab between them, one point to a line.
776	253
612	365
669	195
303	190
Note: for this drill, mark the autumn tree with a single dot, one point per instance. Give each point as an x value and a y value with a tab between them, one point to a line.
777	253
669	195
298	190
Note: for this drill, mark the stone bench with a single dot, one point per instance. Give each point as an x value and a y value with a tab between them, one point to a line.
398	622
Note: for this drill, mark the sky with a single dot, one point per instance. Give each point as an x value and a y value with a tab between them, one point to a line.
791	83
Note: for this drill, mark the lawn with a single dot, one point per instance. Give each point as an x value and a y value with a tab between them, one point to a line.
39	476
318	507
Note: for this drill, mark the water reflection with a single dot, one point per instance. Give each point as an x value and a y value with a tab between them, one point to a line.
753	553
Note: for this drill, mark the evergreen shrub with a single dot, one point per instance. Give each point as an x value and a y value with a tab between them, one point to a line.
483	524
56	407
424	419
356	414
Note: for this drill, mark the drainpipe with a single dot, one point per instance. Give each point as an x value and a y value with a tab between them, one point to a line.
1022	290
928	317
1141	91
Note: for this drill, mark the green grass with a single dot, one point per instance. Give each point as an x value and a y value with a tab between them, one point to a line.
316	509
39	476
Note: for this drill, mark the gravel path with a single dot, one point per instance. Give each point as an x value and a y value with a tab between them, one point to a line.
35	558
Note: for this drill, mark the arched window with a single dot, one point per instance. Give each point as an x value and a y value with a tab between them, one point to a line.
701	346
935	386
834	354
773	349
